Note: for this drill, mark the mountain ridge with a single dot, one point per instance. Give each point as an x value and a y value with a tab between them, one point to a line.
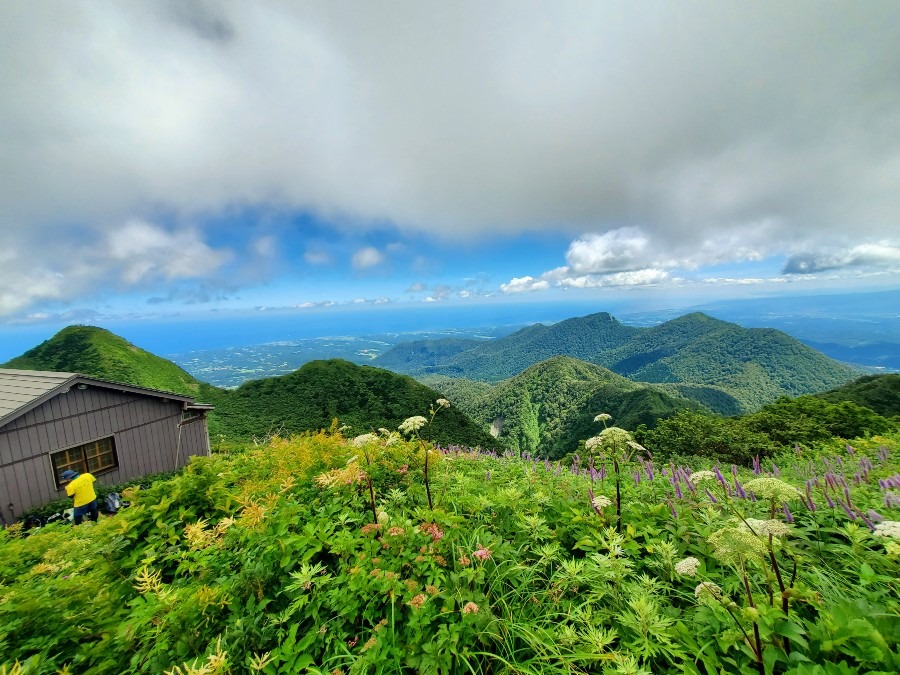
732	369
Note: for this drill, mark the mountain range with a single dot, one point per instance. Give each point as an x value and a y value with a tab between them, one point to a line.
310	398
550	406
536	390
726	367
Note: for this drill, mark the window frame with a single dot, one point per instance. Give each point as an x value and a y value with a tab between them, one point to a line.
81	464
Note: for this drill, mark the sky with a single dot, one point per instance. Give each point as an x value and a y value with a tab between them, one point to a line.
184	157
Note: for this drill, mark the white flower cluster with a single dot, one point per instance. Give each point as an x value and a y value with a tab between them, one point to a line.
603	417
687	567
362	440
888	528
411	424
700	476
601	501
593	442
772	488
443	403
762	528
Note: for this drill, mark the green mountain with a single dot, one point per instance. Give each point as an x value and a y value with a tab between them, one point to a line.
880	393
550	407
99	353
362	397
754	365
307	399
582	338
722	365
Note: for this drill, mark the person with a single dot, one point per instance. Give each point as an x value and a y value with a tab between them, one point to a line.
81	487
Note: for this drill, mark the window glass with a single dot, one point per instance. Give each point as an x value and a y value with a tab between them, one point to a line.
94	457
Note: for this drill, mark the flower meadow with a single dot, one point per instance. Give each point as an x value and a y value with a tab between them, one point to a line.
383	554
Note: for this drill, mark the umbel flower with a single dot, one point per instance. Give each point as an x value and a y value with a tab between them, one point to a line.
888	528
363	439
443	403
601	501
772	488
766	527
735	545
412	424
687	567
700	476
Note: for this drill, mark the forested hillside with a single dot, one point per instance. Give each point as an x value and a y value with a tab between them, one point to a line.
361	397
721	365
311	398
581	338
546	409
97	352
881	393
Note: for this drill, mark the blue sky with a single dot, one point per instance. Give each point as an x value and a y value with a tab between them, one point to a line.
180	158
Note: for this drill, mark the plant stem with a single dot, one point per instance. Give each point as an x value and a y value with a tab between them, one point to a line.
427	483
758	651
618	497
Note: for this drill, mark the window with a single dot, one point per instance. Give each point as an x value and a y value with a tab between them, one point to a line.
94	457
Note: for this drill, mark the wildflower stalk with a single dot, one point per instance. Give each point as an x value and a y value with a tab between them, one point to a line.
371	487
758	651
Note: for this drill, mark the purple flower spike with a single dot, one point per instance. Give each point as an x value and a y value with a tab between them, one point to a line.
719	476
739	489
874	516
812	505
734	470
850	450
680	496
788	516
712	497
488	476
756	465
637	477
829	501
672	509
775	469
690	485
850	514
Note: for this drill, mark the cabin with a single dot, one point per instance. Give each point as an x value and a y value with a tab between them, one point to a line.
50	422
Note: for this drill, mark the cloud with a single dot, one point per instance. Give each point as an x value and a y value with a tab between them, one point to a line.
524	284
417	287
645	277
145	250
671	133
864	255
367	257
317	257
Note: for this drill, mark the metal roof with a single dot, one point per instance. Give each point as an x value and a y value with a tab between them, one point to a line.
24	390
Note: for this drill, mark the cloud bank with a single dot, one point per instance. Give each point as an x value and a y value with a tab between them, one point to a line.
658	135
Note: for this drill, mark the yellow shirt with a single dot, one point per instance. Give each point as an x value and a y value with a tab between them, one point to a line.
82	486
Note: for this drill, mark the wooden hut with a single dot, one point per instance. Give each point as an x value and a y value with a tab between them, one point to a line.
50	422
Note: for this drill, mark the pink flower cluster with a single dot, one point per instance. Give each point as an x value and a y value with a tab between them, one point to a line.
482	553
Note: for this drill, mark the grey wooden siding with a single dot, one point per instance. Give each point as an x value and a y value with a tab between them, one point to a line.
145	429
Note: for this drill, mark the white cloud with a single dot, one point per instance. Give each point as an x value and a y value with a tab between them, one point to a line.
417	287
367	257
524	284
316	257
645	277
753	129
876	254
146	251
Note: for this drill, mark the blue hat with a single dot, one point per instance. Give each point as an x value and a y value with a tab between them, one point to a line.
68	474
